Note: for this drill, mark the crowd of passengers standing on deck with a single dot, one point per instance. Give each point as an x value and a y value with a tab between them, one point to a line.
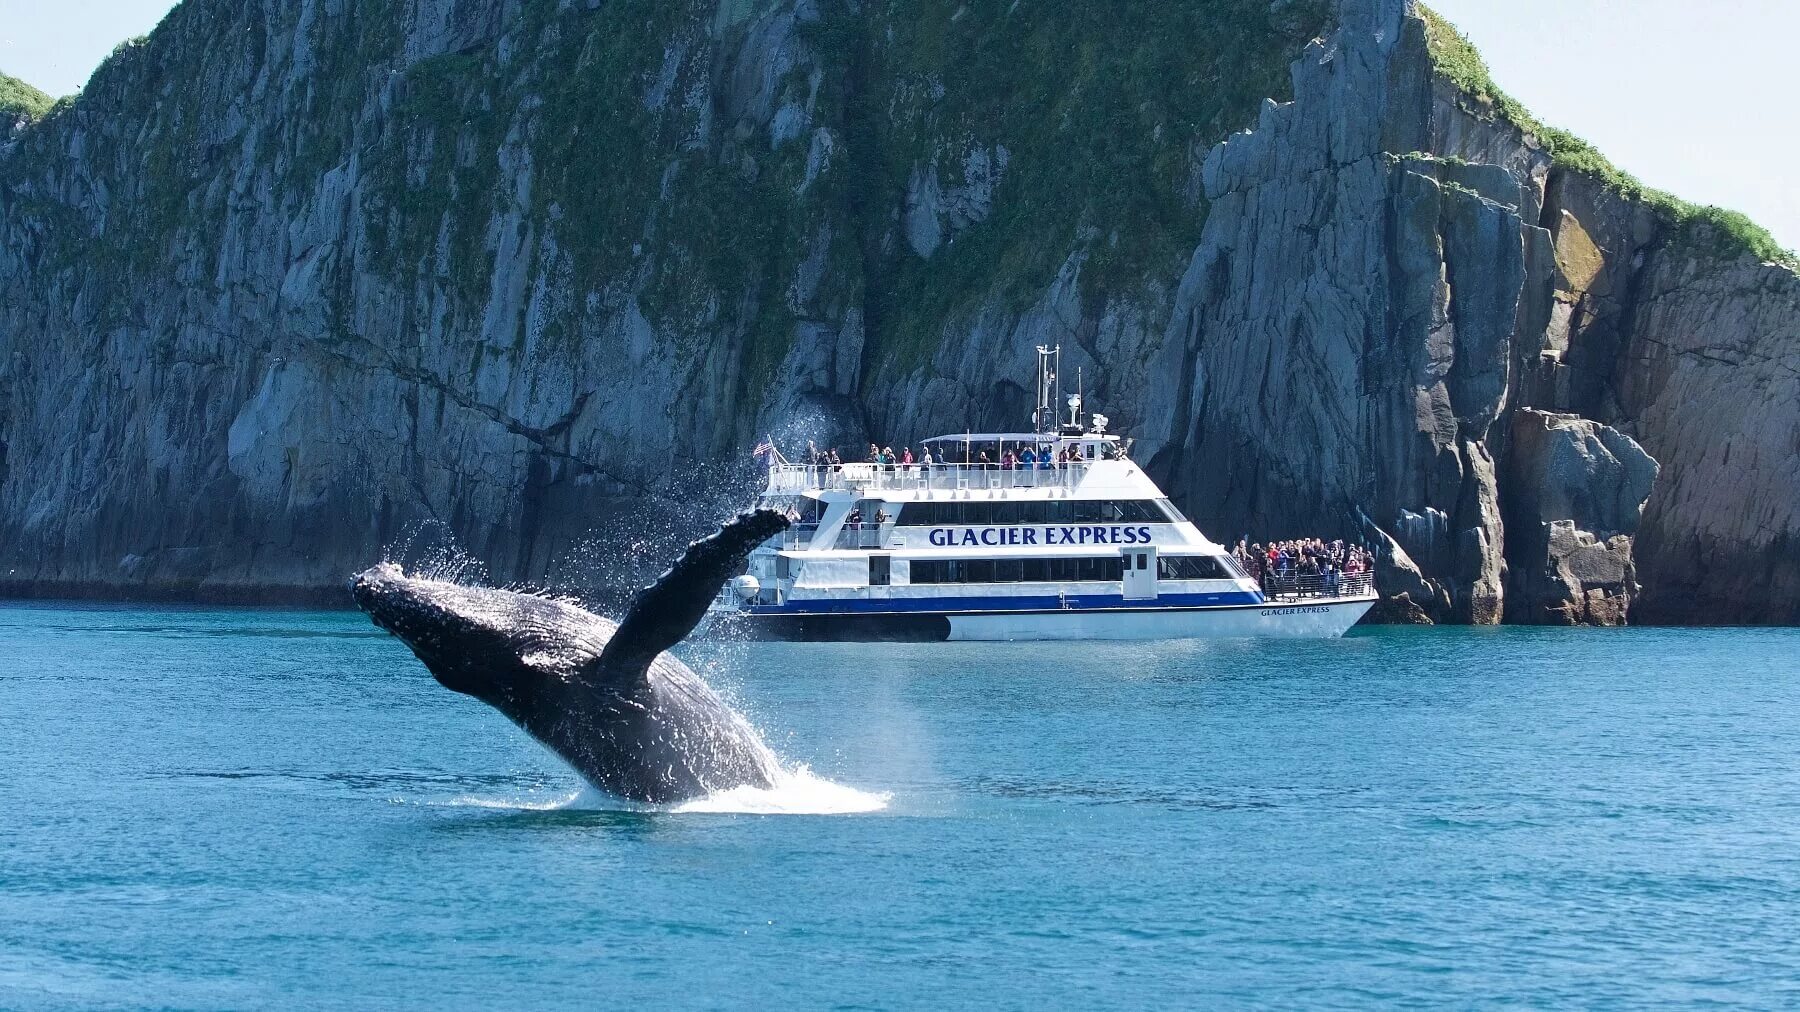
1304	565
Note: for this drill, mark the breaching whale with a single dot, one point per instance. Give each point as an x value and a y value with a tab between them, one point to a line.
604	696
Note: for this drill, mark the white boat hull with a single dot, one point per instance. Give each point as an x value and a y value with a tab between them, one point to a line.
1313	618
1296	621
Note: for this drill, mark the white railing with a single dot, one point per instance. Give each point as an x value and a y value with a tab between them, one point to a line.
798	536
793	479
1295	586
860	536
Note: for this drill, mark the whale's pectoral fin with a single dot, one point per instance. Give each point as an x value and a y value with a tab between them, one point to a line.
664	613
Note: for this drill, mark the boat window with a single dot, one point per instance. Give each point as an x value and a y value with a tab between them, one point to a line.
1098	569
880	569
1140	511
1060	570
1191	567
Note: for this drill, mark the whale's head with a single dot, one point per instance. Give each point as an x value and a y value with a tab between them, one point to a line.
498	646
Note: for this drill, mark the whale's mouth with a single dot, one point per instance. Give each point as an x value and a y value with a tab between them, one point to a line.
373	590
448	627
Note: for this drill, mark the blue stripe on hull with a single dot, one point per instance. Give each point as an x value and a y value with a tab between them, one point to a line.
991	605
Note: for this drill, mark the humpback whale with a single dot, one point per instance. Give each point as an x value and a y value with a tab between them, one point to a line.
632	720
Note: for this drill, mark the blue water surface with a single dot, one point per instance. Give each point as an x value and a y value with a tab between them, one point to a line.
237	808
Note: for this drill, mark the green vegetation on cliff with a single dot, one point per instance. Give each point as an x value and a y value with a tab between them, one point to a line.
1102	112
1088	126
20	100
1457	59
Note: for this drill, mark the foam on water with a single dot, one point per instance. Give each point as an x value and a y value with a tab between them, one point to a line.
799	791
515	804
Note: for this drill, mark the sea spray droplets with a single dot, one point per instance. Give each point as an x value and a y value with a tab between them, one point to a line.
629	546
429	550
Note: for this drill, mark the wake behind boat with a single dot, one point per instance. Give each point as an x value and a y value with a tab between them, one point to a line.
1051	535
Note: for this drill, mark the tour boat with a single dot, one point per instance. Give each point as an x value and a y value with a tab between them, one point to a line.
1077	544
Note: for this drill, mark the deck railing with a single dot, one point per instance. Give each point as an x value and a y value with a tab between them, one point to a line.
860	536
798	535
792	479
1298	586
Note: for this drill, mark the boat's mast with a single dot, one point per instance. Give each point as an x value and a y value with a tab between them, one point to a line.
1049	389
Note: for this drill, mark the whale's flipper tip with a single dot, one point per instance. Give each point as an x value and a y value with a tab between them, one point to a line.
664	613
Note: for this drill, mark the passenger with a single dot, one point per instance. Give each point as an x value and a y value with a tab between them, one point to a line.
906	457
881	517
1027	458
855	517
982	461
874	454
1008	461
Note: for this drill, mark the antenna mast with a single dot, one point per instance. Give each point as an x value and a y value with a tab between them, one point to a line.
1049	389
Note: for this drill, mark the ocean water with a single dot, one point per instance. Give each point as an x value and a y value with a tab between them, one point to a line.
235	808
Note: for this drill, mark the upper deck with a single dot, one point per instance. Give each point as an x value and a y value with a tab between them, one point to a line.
971	463
801	479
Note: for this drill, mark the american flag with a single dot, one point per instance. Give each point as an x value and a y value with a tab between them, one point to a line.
763	449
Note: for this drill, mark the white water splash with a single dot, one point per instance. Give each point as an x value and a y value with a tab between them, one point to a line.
799	791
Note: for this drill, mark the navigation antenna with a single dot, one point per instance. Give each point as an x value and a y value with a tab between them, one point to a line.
1049	389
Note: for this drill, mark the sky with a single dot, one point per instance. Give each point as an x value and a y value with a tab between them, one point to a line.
1697	98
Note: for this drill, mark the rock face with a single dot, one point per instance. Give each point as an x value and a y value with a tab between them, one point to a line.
1576	495
292	278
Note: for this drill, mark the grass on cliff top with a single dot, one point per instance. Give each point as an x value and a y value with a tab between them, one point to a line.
18	99
1458	60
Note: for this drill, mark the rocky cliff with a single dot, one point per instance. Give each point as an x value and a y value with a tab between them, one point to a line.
292	277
